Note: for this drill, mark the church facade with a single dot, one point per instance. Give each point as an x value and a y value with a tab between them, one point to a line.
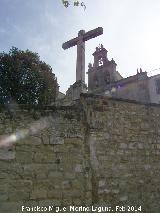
103	79
102	73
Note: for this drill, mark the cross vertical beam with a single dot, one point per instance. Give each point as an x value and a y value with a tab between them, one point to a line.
80	64
80	42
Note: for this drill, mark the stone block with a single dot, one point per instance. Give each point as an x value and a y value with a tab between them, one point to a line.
30	203
7	154
55	194
45	138
56	140
44	157
24	157
38	194
78	168
67	202
123	146
18	195
51	203
55	174
69	175
74	194
76	184
66	184
102	183
3	196
8	207
123	198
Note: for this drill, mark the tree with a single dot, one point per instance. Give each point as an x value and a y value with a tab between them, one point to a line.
25	79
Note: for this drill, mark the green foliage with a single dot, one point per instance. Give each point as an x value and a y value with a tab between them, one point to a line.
25	79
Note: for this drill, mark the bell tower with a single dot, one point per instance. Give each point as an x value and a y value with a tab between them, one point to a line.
102	72
100	56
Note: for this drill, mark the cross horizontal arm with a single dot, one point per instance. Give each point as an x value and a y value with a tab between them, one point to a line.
70	43
93	33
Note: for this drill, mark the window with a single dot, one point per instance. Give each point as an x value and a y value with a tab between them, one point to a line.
100	62
158	86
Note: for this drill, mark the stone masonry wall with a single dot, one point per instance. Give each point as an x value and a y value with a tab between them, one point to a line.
124	140
46	167
98	152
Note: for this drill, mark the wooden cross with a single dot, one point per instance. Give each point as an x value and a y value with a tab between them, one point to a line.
80	42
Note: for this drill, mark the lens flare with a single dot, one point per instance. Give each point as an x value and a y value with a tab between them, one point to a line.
7	140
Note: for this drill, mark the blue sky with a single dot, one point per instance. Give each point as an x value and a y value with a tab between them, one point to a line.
131	32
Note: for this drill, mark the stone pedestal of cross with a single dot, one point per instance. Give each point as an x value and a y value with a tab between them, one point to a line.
80	42
79	86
